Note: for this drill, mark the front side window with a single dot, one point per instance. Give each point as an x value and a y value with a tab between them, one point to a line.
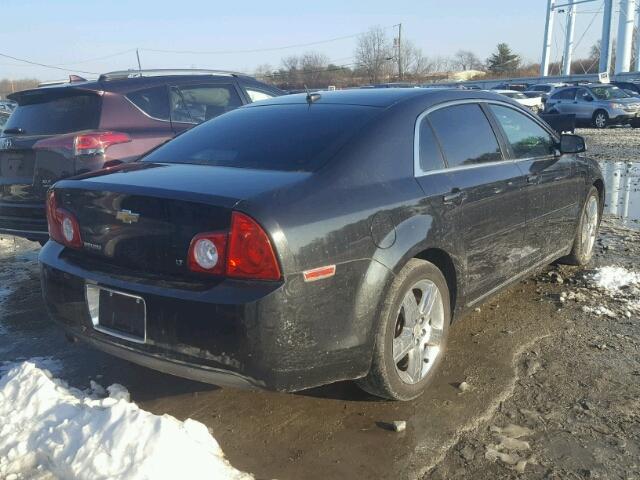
526	137
583	94
608	93
465	135
430	156
199	103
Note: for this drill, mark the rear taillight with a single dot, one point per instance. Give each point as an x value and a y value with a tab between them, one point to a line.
63	225
98	142
91	143
244	252
250	252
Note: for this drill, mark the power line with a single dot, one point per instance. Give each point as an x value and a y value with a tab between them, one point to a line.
44	65
89	60
258	50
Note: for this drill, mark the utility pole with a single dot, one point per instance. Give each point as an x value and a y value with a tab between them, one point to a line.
605	41
546	46
625	34
568	41
400	72
138	57
638	41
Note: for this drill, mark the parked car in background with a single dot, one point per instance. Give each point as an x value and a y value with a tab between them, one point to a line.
7	106
631	88
517	86
598	104
64	130
4	116
544	89
322	260
532	103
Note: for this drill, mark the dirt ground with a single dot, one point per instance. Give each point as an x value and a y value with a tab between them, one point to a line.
552	369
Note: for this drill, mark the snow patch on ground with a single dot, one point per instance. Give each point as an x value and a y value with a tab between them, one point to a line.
50	430
613	278
51	364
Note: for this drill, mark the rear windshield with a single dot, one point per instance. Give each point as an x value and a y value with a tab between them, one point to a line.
55	113
292	137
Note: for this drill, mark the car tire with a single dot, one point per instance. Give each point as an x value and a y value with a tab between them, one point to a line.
585	239
600	119
407	323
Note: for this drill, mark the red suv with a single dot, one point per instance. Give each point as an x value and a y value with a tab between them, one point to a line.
67	129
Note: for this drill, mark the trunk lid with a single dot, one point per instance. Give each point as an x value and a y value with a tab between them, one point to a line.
143	216
27	171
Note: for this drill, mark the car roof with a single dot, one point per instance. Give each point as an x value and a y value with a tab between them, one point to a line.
380	97
123	84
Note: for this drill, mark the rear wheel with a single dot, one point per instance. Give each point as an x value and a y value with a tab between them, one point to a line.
412	332
600	119
585	240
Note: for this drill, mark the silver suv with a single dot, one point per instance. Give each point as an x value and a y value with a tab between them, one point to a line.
599	104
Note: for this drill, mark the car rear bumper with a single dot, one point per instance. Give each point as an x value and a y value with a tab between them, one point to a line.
263	334
24	220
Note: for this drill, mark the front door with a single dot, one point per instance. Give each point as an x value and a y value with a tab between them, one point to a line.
551	185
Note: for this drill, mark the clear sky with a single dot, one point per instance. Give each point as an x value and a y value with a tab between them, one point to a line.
58	32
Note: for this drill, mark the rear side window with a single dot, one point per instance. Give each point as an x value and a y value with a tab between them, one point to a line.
257	95
152	101
199	103
429	152
526	137
465	135
568	94
49	113
292	137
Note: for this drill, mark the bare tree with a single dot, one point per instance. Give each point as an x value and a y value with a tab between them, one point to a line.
374	53
313	66
466	60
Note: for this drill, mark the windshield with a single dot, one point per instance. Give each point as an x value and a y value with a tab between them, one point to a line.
292	137
49	113
608	93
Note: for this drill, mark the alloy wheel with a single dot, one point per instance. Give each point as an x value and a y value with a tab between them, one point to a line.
601	120
418	331
589	225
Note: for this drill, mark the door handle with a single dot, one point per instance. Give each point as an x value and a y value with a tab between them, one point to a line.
455	197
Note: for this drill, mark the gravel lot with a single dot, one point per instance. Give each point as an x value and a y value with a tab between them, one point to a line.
552	373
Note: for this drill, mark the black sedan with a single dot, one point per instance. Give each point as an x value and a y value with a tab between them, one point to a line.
314	238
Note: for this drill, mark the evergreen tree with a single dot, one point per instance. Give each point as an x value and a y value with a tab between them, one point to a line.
503	61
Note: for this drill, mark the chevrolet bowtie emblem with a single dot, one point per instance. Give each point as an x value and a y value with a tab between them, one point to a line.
127	216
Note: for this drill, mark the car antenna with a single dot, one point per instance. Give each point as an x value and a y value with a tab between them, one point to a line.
311	97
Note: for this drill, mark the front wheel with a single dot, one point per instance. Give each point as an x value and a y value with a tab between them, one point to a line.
585	240
412	333
600	119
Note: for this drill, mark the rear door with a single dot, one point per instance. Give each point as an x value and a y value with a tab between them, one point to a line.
192	104
551	184
564	101
488	189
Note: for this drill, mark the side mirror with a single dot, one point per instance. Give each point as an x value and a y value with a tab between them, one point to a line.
572	144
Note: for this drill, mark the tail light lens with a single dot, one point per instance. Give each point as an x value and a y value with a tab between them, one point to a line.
244	252
63	225
91	143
